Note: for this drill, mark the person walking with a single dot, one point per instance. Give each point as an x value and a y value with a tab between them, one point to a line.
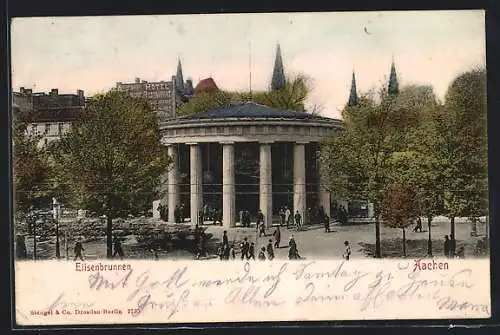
260	222
262	254
118	250
251	251
282	216
277	237
270	251
326	222
225	240
244	249
293	253
288	217
232	252
447	246
347	251
298	220
418	226
79	249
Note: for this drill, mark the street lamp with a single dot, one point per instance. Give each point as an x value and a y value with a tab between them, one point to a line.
55	214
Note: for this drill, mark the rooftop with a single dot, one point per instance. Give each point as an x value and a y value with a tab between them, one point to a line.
63	114
205	85
253	110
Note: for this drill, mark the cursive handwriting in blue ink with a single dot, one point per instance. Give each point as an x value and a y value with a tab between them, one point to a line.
145	284
60	302
98	281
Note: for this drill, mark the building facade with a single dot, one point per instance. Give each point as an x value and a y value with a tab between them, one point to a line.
48	114
164	97
161	95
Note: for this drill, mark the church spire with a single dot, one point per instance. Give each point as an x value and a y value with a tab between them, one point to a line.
393	87
179	80
278	80
353	95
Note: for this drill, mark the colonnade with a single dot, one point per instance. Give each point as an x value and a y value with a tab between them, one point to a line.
229	187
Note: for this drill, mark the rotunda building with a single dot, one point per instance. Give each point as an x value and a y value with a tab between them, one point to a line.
246	157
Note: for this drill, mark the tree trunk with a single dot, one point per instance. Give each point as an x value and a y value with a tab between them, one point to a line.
452	228
109	237
34	239
378	253
429	241
404	243
452	235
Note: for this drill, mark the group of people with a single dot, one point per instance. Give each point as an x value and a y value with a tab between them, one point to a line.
245	218
227	251
209	213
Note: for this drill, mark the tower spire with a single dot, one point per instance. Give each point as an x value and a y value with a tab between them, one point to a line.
393	87
353	95
179	80
278	79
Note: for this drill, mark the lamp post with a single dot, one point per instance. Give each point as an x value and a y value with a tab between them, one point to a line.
55	214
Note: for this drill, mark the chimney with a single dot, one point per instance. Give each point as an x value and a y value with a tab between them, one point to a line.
80	93
54	91
137	80
21	89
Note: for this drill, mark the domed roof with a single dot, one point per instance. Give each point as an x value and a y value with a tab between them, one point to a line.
253	110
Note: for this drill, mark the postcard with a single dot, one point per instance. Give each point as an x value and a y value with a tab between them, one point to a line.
250	167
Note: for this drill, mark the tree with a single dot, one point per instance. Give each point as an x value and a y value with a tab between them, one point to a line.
399	208
358	162
204	101
30	171
112	159
462	127
355	162
291	96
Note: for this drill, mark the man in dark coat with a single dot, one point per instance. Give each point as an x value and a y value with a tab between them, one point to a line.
225	240
260	220
270	251
298	220
118	250
292	251
251	251
244	248
79	249
447	246
277	237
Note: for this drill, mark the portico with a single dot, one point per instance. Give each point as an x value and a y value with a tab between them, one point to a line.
246	155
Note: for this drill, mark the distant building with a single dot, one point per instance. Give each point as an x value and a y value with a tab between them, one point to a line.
50	115
206	85
164	97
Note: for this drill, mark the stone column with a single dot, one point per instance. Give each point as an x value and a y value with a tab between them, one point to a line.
299	179
196	182
228	186
323	192
266	184
324	199
173	182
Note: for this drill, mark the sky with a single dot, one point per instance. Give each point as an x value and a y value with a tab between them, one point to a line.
93	53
